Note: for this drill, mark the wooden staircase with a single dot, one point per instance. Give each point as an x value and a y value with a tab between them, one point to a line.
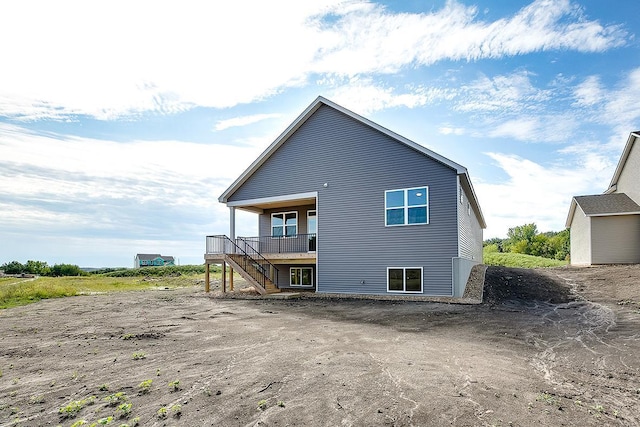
252	273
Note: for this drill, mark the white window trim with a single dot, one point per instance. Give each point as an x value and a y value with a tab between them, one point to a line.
301	268
284	225
406	206
404	280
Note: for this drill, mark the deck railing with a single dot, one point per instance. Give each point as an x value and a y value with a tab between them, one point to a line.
249	261
278	245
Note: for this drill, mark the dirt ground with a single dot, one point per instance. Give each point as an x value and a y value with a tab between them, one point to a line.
548	347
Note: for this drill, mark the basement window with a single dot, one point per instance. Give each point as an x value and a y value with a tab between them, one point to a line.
301	276
404	279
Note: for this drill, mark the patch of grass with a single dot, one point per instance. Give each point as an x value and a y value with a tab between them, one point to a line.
547	398
508	259
16	293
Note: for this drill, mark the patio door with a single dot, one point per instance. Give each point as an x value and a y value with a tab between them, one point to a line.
312	229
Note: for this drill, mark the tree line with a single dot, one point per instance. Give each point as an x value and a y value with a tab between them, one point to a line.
525	239
41	268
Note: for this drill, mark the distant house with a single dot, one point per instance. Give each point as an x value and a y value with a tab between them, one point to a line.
347	206
605	228
153	260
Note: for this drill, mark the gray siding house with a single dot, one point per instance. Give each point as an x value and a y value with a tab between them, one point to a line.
605	228
347	206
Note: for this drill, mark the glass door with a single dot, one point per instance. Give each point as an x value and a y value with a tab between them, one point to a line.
312	229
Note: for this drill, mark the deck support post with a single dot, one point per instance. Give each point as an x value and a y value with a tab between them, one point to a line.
206	277
224	277
231	278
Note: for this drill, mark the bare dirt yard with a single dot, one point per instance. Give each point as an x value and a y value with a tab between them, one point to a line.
548	347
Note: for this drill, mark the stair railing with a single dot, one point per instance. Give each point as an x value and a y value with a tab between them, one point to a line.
222	244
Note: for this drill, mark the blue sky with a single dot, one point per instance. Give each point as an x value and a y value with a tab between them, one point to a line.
122	122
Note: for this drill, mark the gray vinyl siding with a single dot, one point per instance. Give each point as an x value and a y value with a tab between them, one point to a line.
358	164
469	231
580	236
615	239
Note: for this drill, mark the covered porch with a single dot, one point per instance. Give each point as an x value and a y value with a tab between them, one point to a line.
283	255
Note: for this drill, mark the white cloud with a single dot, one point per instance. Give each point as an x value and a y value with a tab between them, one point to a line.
512	92
364	96
93	181
117	58
589	92
540	193
451	130
243	121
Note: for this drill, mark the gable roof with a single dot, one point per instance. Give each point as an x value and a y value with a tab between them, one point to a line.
633	137
308	112
603	205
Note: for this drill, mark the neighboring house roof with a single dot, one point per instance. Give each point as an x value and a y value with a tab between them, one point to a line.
308	112
149	257
633	137
603	205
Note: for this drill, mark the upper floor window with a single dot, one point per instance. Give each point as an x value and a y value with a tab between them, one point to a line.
284	224
407	206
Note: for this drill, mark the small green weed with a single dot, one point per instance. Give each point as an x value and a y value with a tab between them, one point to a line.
162	412
547	398
262	405
104	387
145	387
135	422
78	423
280	403
124	410
105	421
72	408
174	386
176	410
36	399
116	398
128	336
139	355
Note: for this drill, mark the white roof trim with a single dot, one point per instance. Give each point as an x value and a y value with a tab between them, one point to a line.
572	209
623	160
615	214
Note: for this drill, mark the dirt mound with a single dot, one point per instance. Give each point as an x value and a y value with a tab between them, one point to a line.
523	284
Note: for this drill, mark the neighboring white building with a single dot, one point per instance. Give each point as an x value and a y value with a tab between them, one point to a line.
605	228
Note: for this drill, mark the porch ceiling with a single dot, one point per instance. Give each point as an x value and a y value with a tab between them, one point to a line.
260	205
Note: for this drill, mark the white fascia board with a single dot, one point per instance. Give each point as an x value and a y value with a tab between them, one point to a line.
464	177
274	199
623	159
572	209
615	214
